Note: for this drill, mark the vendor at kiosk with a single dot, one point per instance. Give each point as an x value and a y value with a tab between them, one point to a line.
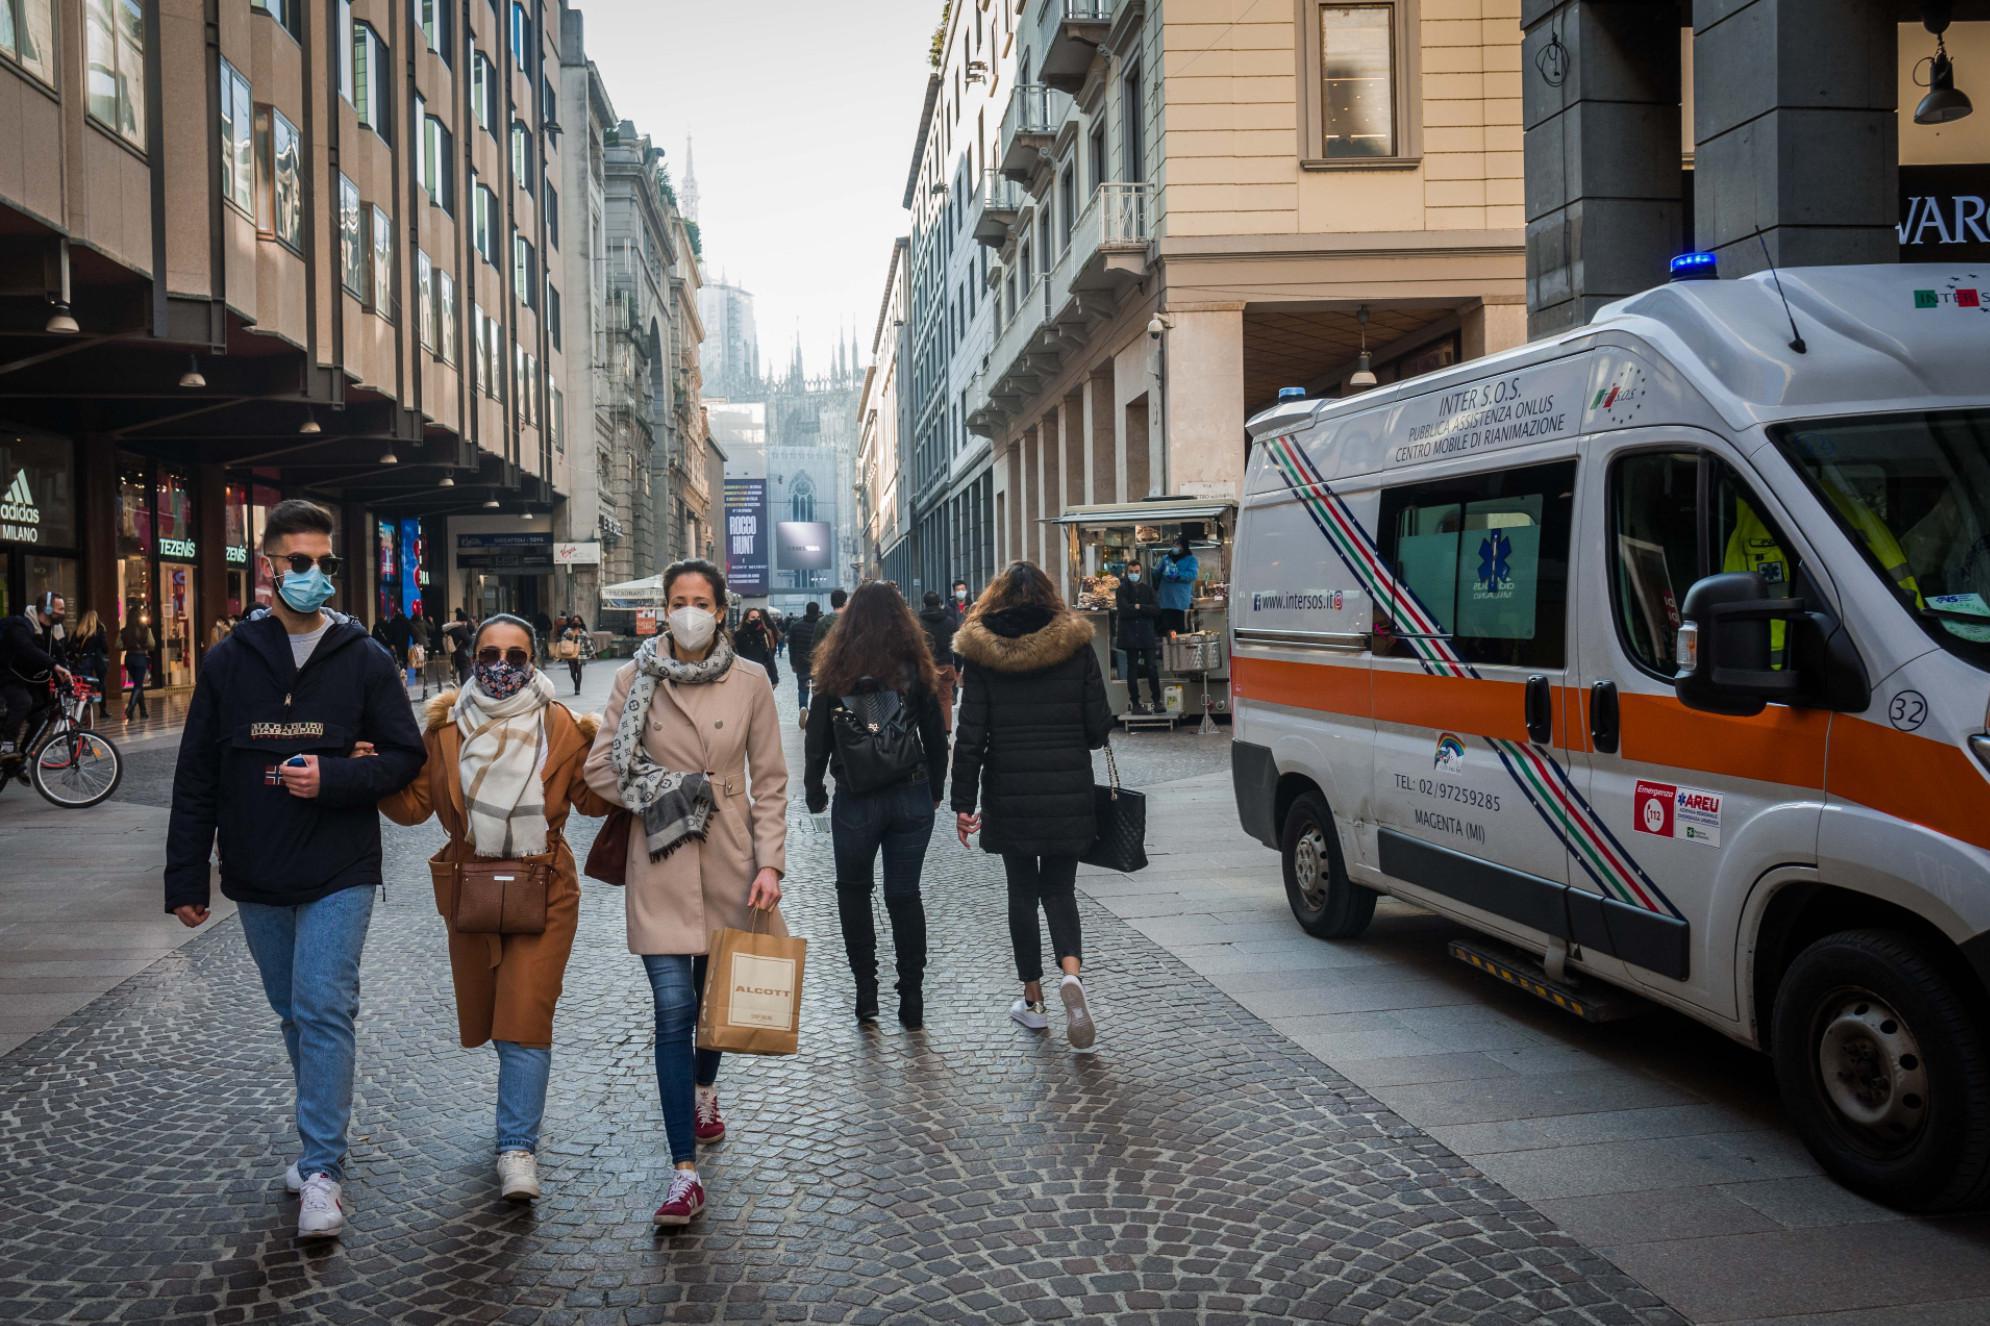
1176	573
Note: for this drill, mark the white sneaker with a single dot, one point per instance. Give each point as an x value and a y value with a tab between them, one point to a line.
293	1182
1024	1013
320	1213
1077	1017
518	1175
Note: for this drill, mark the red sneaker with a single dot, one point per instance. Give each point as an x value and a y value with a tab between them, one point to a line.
708	1125
684	1202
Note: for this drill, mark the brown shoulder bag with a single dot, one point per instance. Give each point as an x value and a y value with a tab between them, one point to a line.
505	897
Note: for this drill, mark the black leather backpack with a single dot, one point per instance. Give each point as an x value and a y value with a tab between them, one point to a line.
877	743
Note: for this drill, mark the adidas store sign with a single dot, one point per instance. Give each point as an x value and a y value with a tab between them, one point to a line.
20	518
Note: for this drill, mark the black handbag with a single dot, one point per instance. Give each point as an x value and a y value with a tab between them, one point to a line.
1121	814
877	742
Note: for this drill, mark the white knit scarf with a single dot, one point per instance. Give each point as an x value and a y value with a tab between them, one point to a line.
499	766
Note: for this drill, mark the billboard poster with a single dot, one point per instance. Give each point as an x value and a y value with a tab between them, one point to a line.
746	536
414	567
804	546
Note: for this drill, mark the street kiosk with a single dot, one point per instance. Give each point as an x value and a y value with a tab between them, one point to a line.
1101	541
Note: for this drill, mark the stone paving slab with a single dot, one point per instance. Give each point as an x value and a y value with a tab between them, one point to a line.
1199	1168
1654	1138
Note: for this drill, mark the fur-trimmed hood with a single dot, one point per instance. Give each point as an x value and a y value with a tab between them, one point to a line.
1058	639
439	705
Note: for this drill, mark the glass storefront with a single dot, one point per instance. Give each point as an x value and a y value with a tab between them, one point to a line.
158	551
38	544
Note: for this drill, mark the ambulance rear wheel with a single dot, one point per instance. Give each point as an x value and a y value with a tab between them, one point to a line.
1885	1070
1327	904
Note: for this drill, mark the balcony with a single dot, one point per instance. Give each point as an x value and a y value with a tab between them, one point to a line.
1001	199
1107	248
1029	128
1069	34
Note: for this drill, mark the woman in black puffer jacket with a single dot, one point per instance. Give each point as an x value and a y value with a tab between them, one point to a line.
1033	709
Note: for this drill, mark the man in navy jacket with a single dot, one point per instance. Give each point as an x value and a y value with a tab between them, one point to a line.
271	764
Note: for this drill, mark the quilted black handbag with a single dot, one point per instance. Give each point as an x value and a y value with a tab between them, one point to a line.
1121	814
876	742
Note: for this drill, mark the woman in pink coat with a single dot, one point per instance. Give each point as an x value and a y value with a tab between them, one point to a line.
687	723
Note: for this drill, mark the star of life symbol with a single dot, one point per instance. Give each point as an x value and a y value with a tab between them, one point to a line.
1495	569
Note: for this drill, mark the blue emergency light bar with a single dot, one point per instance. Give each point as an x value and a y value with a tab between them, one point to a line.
1291	393
1696	267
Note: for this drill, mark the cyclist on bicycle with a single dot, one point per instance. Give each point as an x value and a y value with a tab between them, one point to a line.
26	664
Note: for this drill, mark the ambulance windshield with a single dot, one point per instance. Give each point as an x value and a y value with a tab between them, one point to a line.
1913	492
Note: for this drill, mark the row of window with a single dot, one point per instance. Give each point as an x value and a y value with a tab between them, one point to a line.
27	37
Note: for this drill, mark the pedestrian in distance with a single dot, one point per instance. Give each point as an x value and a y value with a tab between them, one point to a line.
1033	708
1138	611
28	659
543	626
837	598
138	640
939	625
957	604
1176	574
90	649
460	632
571	649
299	727
503	773
875	723
754	642
688	724
802	632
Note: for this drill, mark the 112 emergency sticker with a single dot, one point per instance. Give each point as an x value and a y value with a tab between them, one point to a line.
1665	810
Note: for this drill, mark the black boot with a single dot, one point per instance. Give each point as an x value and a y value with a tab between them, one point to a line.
908	936
860	942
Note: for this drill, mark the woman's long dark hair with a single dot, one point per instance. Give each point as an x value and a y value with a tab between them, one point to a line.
1020	585
876	636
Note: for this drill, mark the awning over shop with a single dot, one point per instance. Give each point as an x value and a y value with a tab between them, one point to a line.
632	594
1161	511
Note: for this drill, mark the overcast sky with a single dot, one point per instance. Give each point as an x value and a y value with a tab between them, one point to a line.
803	114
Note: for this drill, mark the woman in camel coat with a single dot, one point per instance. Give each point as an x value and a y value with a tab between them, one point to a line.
699	764
507	985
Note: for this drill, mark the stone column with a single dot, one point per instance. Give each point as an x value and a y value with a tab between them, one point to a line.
1795	132
1600	101
1099	429
1205	410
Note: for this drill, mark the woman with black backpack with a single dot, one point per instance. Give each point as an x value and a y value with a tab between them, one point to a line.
875	723
1032	710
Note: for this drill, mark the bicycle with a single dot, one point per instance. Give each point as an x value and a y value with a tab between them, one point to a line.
69	763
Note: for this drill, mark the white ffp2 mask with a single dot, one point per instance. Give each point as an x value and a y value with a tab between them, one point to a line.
692	627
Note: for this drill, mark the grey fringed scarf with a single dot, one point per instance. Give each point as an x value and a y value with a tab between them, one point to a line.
674	806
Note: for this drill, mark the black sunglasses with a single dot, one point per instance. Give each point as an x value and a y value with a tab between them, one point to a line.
302	562
515	656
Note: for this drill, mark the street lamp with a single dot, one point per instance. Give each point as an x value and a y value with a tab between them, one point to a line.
1944	102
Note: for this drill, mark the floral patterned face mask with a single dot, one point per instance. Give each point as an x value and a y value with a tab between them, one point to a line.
502	680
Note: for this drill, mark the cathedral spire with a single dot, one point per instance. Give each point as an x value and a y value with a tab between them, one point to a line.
690	184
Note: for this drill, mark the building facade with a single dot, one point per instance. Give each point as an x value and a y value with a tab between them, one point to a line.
882	517
1759	130
732	342
323	274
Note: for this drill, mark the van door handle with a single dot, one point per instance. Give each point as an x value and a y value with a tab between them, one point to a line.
1540	714
1603	717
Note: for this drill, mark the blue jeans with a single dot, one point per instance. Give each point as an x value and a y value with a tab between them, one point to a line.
523	1072
676	980
308	956
898	820
801	687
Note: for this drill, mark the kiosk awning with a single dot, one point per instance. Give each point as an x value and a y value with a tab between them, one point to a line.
1164	511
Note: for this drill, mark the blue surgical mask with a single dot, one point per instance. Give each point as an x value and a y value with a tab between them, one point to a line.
306	591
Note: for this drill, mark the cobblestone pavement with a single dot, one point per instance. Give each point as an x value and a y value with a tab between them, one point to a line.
1199	1168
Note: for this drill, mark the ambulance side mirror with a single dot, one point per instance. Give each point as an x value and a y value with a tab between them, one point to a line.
1724	645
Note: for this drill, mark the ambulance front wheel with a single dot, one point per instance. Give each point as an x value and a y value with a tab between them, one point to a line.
1884	1069
1326	902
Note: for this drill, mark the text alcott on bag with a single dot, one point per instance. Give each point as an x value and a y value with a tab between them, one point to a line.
752	1002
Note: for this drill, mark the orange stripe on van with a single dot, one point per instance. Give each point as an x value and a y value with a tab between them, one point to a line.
1912	778
1459	704
1778	745
1324	687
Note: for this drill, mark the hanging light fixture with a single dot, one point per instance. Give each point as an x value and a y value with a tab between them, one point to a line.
1944	102
1364	370
191	380
61	322
448	481
309	428
490	504
388	457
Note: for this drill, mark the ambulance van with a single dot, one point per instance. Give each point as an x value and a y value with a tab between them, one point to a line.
1658	653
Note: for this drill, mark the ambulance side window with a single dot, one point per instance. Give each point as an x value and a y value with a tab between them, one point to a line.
1482	561
1676	516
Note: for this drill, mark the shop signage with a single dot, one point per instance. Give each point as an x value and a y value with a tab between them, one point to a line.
180	550
237	555
577	554
20	518
1944	213
645	621
520	553
746	536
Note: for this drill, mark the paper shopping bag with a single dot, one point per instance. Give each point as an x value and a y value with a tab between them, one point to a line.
753	993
